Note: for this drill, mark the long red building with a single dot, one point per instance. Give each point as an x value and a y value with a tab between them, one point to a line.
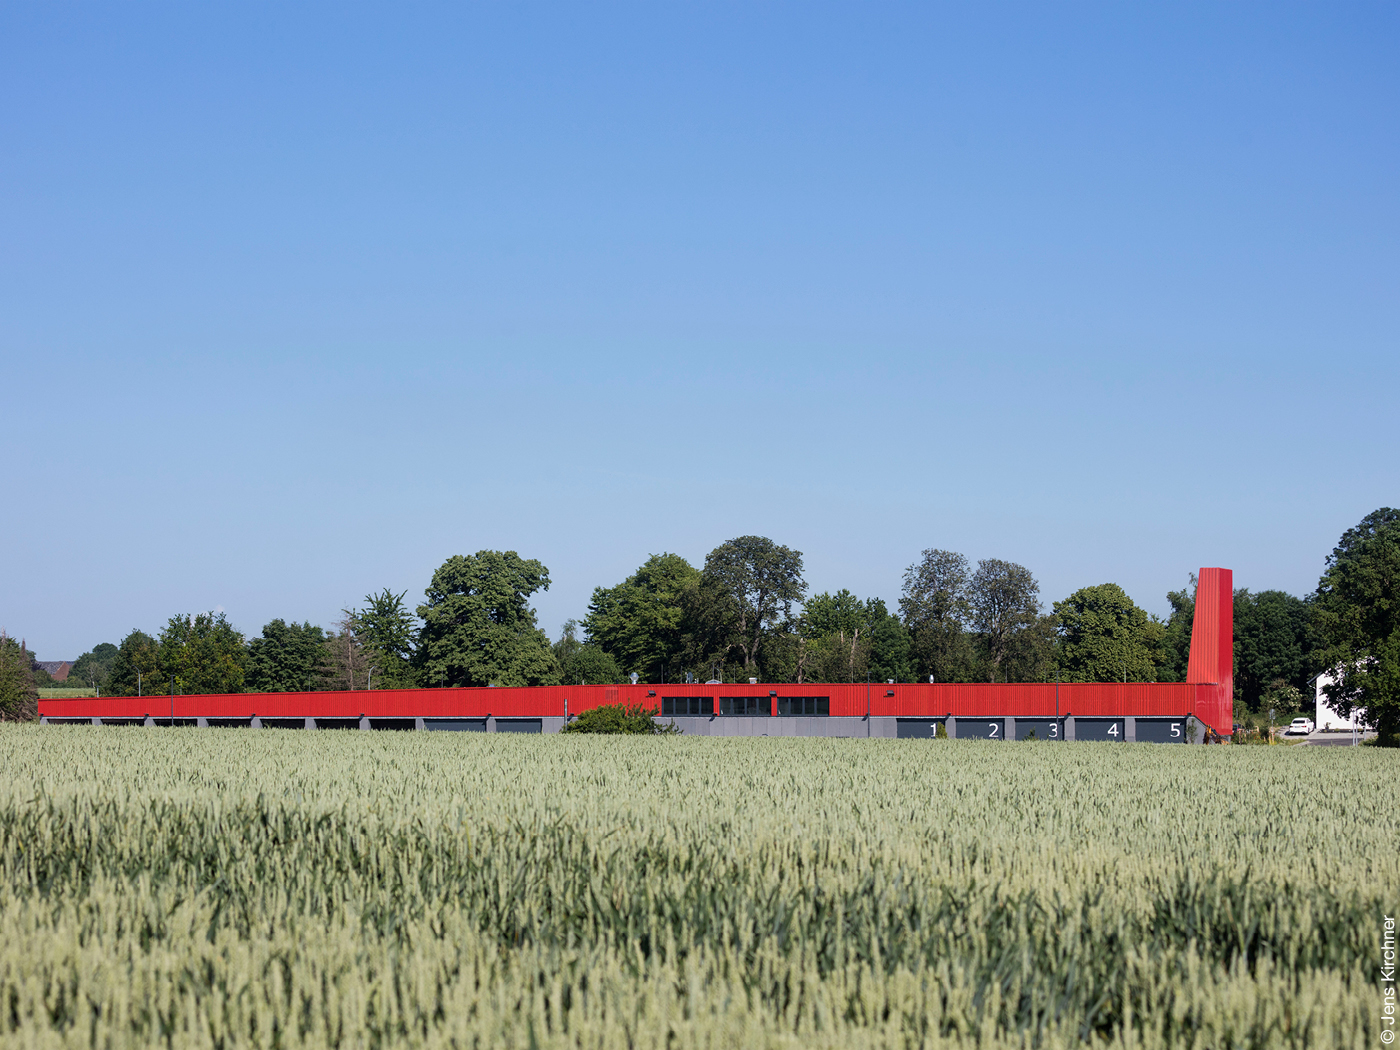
1128	711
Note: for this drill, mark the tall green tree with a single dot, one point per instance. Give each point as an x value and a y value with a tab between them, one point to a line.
835	636
1032	654
136	671
346	663
1273	646
1176	634
1106	637
288	658
936	613
94	668
387	630
583	663
891	655
1357	619
709	635
640	622
478	626
1004	601
762	581
204	654
845	639
18	698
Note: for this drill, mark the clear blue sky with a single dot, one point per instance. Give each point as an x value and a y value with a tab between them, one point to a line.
297	301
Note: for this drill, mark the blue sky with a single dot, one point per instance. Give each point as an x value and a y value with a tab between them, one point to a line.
297	301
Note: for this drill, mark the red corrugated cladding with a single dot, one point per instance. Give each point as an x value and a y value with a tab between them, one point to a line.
921	701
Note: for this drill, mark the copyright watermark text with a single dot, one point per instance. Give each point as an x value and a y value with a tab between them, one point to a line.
1388	1003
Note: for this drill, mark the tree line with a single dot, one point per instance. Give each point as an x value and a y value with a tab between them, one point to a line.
746	613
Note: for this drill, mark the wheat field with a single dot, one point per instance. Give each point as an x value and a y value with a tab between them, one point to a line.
265	888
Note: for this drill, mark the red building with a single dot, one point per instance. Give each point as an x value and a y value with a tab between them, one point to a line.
1141	711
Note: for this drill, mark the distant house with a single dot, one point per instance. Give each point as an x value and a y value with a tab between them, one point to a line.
1327	717
57	669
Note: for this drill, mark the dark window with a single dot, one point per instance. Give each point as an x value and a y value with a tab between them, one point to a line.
804	705
744	705
687	705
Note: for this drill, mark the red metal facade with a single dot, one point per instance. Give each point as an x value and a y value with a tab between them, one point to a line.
1212	662
1207	693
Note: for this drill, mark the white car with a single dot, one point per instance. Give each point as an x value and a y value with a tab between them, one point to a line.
1299	727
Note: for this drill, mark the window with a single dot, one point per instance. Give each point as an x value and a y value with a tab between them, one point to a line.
804	705
744	705
687	705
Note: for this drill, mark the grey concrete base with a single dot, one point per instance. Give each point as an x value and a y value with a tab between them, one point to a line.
781	725
551	723
1130	729
1069	727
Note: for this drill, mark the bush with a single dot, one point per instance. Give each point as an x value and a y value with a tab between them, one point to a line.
634	720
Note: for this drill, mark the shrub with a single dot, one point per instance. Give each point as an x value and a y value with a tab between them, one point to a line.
633	720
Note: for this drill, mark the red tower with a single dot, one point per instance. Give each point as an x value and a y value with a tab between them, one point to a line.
1212	664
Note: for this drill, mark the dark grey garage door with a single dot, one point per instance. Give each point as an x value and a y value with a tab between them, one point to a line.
1098	729
1161	730
981	728
1043	728
456	725
518	725
917	728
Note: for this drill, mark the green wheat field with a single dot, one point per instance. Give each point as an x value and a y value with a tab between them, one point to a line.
268	888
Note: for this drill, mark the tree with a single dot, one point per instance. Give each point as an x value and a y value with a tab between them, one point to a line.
1105	637
18	698
1357	618
1031	657
478	627
762	580
1004	600
890	644
136	671
1176	635
345	662
710	616
203	653
936	613
288	658
1272	642
386	630
620	719
845	639
835	631
583	663
94	668
640	622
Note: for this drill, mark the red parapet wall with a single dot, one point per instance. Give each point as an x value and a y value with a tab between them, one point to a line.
1207	693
